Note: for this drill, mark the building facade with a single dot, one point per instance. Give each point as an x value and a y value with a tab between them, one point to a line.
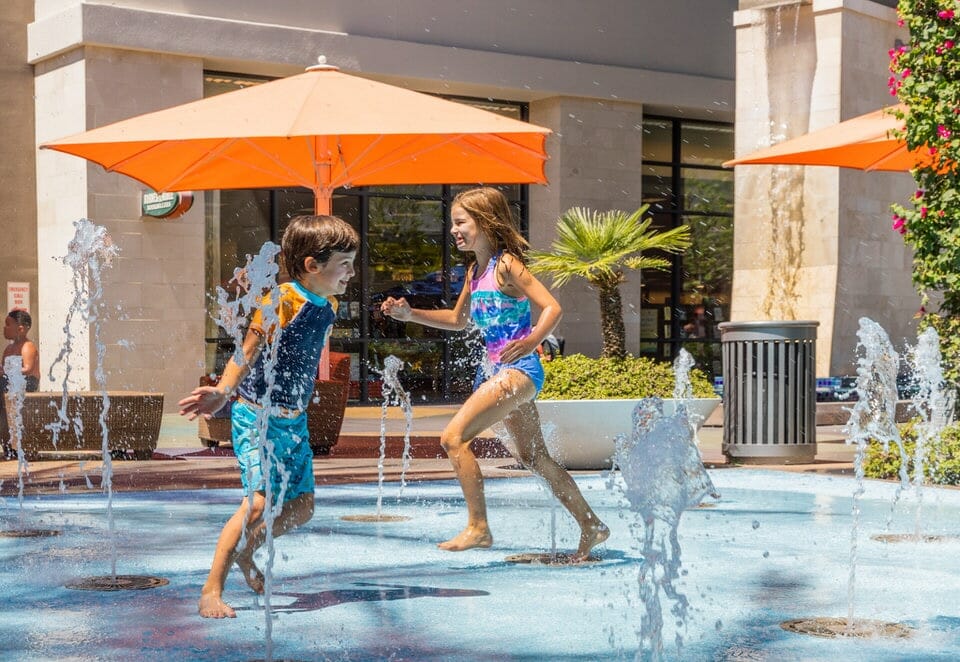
639	94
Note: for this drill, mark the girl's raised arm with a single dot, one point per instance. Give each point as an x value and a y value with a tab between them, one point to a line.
449	319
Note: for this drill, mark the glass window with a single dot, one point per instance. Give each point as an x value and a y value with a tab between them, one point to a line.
708	264
688	185
657	187
709	191
657	140
705	144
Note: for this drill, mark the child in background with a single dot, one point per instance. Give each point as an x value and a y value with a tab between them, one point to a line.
498	299
318	253
15	330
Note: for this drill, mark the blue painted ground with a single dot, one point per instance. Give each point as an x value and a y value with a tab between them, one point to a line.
775	547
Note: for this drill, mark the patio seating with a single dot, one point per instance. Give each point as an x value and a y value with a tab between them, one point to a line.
132	421
324	414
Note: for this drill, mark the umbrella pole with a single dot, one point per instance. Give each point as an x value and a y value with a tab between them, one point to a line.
322	203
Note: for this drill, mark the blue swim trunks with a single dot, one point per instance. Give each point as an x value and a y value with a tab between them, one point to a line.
292	467
529	365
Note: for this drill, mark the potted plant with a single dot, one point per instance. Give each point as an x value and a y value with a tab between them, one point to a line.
586	401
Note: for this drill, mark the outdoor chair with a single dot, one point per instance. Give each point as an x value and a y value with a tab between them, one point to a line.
324	413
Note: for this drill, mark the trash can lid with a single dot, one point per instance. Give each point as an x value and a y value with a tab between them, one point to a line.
769	330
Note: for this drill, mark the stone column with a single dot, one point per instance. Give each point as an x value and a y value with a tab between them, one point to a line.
597	164
809	243
153	292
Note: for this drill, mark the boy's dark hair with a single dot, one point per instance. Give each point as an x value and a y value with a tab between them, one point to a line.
317	237
21	317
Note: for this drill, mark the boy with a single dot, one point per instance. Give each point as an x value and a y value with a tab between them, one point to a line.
318	253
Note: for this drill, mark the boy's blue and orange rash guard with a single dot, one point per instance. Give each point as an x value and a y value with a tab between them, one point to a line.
305	320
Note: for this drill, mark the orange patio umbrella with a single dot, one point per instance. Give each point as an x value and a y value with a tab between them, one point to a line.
321	130
863	142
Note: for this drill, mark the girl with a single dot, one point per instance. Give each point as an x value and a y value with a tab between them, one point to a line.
498	299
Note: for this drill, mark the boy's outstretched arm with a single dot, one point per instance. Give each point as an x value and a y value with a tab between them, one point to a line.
207	400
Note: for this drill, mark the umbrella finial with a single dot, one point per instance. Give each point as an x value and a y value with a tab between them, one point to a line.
322	65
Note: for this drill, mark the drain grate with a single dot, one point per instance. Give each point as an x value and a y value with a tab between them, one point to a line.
838	628
375	518
29	533
913	537
117	583
546	558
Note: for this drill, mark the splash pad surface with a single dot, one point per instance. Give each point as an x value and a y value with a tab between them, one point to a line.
775	547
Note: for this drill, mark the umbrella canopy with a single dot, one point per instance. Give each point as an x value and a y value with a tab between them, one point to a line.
321	130
863	142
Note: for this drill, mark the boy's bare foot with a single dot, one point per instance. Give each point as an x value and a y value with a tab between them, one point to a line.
251	574
212	606
467	539
590	537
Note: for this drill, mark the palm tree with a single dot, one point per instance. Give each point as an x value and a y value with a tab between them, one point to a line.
599	247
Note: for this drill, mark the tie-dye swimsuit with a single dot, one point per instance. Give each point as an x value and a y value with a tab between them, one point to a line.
501	319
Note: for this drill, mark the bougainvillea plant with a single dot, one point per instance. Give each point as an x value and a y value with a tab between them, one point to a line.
925	76
926	79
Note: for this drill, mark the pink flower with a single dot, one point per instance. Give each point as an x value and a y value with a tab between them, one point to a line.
946	14
898	223
943	131
918	194
900	22
948	44
906	72
923	212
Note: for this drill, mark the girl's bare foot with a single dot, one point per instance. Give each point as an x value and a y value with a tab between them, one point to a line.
468	538
590	537
212	606
251	574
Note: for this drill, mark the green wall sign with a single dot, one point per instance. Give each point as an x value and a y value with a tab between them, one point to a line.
165	205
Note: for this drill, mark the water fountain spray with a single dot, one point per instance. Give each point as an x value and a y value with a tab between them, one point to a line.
16	387
872	417
934	405
662	475
89	252
393	394
256	288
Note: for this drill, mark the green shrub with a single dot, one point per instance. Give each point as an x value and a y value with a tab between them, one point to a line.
942	463
578	377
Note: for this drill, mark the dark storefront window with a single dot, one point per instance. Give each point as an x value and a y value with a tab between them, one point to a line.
406	251
684	182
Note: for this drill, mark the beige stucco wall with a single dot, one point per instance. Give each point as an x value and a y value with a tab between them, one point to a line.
152	317
815	243
18	210
595	162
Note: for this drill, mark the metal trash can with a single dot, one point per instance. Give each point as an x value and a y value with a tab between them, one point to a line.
769	391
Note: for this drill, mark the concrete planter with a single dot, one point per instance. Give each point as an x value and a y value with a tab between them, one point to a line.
580	433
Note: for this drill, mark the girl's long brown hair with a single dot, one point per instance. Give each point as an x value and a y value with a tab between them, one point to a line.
491	211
